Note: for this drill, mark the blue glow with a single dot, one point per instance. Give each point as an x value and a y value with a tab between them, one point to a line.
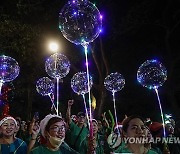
60	27
168	115
152	74
82	40
154	61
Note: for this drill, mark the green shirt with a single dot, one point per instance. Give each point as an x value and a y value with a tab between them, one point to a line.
123	149
73	133
64	149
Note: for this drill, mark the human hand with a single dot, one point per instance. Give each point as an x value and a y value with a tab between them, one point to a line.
35	131
92	143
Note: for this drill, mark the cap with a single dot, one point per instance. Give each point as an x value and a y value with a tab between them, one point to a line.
155	126
45	121
7	117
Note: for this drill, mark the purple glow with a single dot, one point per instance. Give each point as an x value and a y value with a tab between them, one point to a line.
87	64
82	17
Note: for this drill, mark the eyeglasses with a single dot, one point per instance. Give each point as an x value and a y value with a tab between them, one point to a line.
57	129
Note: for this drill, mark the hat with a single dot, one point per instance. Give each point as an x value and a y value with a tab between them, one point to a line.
155	126
80	114
45	121
94	120
7	117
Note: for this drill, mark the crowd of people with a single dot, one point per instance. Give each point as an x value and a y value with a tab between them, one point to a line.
77	134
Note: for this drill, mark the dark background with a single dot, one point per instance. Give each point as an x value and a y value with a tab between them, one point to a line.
133	32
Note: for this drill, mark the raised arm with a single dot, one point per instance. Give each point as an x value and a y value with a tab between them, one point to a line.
68	112
35	131
104	119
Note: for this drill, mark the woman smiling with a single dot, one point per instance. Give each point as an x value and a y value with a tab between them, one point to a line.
8	142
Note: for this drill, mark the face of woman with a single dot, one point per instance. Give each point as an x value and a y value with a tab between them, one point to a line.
8	128
57	130
136	129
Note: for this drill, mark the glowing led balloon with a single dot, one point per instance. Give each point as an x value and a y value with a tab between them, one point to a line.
57	65
9	69
79	83
152	74
45	86
114	82
80	21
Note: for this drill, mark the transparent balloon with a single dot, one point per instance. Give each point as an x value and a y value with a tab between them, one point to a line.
9	69
114	82
79	83
45	86
80	21
152	74
57	66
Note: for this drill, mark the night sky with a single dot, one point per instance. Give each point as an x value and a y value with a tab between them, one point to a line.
133	32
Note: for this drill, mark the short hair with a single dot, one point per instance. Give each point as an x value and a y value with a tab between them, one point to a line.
128	119
53	121
81	114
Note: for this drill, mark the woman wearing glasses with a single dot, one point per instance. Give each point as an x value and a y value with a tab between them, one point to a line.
53	131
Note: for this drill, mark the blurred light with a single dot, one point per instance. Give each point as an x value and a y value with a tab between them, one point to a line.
167	122
53	46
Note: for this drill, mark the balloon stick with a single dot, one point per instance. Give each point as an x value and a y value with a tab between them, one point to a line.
162	116
113	93
87	116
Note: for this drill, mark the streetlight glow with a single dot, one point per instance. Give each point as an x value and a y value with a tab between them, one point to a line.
53	46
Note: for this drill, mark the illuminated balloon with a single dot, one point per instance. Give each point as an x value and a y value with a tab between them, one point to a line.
152	74
45	86
57	65
9	69
114	82
80	21
79	83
